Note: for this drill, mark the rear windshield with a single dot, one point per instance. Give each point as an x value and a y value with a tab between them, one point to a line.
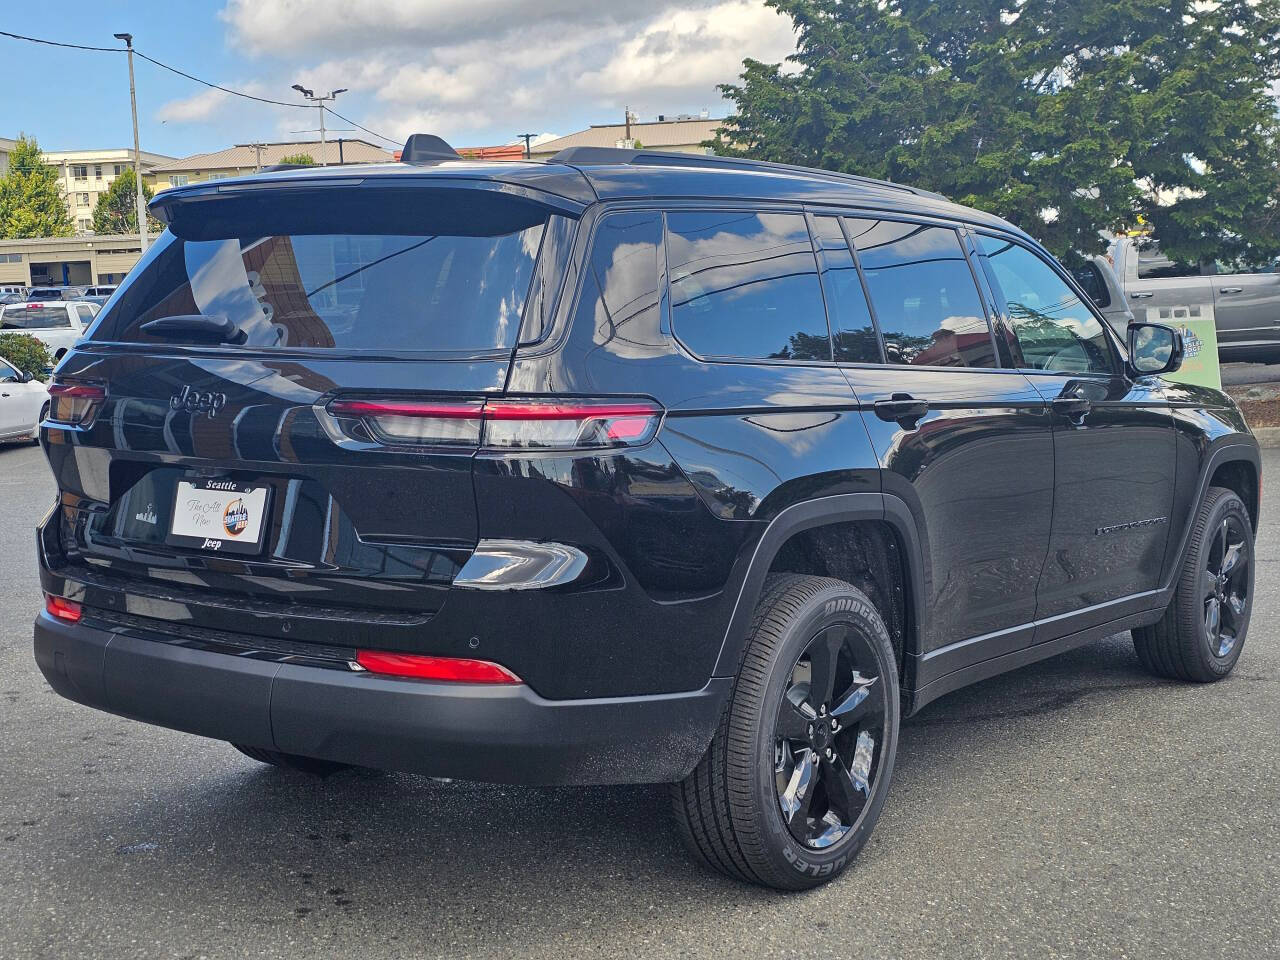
355	281
22	317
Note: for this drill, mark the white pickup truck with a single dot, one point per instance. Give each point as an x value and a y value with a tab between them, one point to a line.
56	323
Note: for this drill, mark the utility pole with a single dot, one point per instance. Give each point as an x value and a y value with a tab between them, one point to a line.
528	141
627	121
257	157
320	102
137	150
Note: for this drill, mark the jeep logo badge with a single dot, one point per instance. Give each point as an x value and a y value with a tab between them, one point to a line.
193	401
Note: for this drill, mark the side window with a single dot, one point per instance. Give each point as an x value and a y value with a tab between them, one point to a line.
557	243
1054	329
618	306
852	329
8	374
745	286
86	313
1092	283
923	293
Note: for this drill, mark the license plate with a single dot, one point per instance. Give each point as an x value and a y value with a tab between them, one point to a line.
222	516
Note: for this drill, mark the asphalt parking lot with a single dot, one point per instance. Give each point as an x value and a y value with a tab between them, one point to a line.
1075	808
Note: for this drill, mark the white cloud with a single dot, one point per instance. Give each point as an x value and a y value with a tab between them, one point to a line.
490	69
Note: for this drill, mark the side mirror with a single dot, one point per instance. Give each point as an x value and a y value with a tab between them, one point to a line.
26	376
1154	349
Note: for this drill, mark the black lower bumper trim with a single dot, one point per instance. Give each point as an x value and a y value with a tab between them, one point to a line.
500	734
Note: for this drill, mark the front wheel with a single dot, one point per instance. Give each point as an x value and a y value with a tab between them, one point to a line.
1201	634
794	780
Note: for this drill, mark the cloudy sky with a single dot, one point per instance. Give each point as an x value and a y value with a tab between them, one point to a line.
475	71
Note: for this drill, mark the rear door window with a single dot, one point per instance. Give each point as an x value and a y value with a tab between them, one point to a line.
852	329
347	275
744	285
924	295
43	317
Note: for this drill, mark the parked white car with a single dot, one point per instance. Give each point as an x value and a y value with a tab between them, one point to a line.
58	324
23	403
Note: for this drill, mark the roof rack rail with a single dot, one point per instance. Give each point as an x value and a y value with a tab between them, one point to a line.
594	156
427	148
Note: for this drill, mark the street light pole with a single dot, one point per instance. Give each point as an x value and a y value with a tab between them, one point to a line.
320	102
139	200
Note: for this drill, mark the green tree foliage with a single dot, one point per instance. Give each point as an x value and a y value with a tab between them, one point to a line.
31	200
25	352
116	210
304	159
1065	116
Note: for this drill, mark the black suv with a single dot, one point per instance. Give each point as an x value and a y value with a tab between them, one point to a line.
626	467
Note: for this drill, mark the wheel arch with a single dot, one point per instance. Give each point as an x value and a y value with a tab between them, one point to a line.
1234	464
827	513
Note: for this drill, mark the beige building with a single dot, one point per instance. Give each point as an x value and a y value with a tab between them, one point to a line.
86	174
682	134
245	158
68	260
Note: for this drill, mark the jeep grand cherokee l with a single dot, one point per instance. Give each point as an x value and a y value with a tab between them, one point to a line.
620	468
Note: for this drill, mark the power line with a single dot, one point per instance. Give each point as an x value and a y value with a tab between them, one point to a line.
195	79
365	129
55	43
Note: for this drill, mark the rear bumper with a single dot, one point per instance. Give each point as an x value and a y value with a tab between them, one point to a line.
500	734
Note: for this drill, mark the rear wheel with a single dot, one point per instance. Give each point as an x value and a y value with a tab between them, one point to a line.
292	761
794	780
1201	634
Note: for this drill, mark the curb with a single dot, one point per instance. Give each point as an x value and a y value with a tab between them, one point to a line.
1267	436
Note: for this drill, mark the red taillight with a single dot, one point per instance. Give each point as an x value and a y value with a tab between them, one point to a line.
60	608
74	404
505	424
451	669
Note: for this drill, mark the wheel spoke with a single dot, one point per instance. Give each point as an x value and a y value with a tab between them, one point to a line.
862	700
1231	558
1213	619
1236	604
798	796
824	655
1208	584
842	792
795	716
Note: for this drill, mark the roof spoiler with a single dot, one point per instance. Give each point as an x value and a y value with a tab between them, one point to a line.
427	148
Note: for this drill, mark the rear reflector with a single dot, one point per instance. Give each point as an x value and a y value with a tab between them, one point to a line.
504	424
74	404
452	669
60	608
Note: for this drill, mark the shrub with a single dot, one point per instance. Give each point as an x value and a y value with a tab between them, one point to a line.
26	353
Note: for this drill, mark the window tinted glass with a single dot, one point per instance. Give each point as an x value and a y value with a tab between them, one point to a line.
851	327
1091	281
618	306
351	274
1054	329
746	285
924	296
8	373
557	241
43	317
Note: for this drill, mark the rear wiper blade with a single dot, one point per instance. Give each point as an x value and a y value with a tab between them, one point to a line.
196	326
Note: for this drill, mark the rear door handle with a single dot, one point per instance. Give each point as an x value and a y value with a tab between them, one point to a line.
1074	409
903	409
1141	296
1232	290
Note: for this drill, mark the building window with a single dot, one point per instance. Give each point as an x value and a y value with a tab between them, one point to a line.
218	175
178	180
80	171
97	171
84	224
119	169
82	199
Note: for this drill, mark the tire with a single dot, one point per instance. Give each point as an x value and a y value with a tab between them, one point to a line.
35	431
1217	574
292	761
757	805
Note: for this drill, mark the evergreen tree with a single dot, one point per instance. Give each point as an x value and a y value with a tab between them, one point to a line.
31	199
1068	117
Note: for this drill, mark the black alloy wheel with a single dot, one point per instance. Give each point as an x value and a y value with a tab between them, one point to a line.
1225	583
830	725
